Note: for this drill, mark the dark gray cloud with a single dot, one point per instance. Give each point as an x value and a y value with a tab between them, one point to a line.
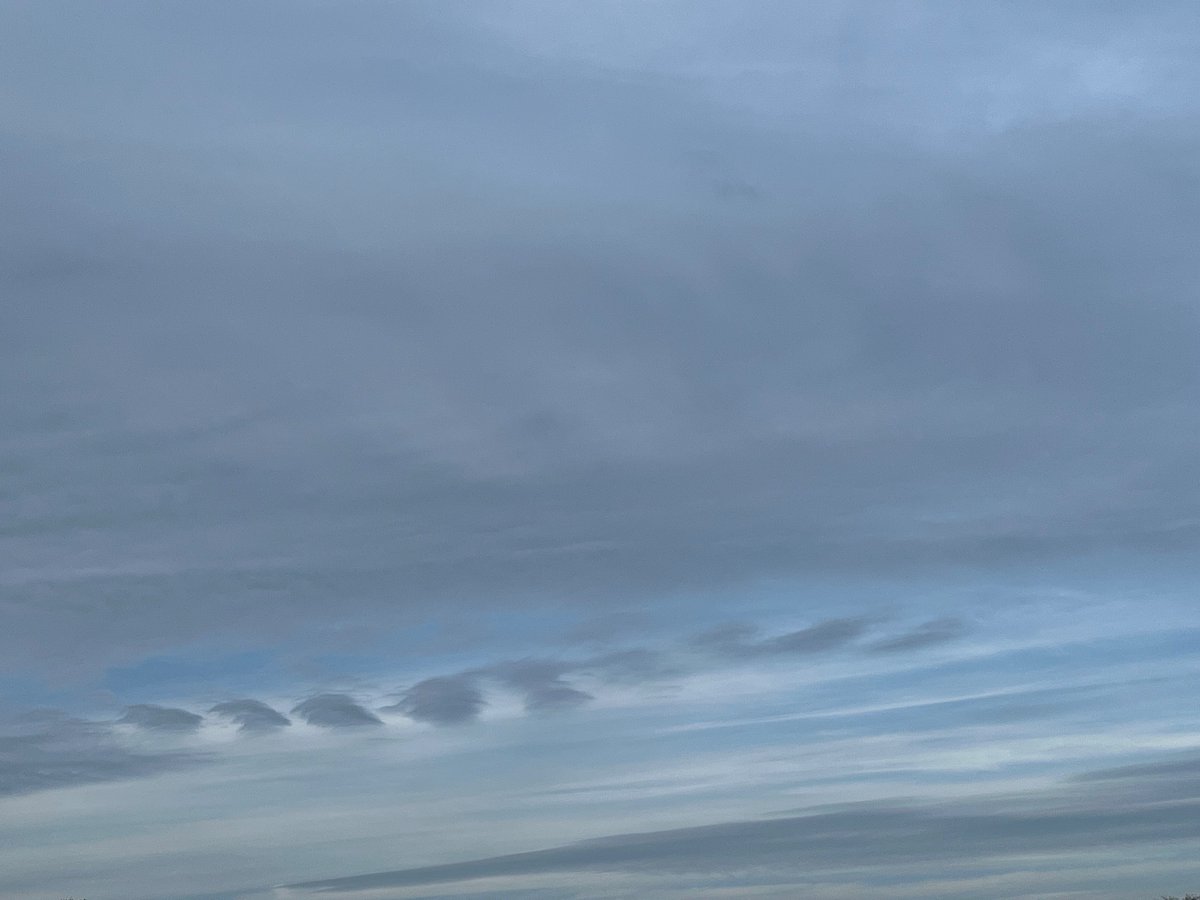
161	718
936	631
943	321
545	686
887	841
443	700
335	711
542	683
251	715
46	750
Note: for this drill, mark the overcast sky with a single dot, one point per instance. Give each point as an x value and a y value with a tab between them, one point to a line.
599	450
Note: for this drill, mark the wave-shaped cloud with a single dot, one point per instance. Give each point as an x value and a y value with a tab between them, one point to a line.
161	718
442	700
251	715
335	711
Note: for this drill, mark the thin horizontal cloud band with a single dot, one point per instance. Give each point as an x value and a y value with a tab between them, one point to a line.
458	698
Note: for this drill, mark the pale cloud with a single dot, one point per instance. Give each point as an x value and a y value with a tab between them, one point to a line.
907	843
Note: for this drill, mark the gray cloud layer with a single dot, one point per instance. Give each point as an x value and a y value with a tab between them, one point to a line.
161	718
323	325
886	841
46	750
489	313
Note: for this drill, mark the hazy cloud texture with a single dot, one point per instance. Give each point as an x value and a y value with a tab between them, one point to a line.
798	399
48	750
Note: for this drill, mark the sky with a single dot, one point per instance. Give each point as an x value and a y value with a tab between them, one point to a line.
541	449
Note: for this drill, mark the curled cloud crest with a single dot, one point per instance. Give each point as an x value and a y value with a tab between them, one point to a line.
442	700
335	711
541	682
161	718
251	715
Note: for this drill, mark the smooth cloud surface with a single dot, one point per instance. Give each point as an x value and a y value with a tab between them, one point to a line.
558	422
